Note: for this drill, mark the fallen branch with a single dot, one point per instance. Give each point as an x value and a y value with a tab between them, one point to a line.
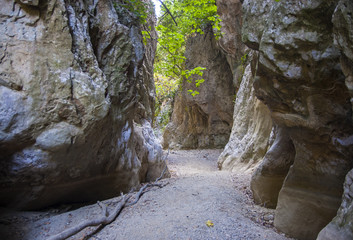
104	220
107	218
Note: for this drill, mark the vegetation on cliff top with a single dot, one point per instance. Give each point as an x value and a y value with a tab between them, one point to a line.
179	20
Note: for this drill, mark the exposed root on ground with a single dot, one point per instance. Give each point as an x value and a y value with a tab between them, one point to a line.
107	218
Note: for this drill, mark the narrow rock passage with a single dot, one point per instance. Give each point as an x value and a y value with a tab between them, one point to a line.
196	193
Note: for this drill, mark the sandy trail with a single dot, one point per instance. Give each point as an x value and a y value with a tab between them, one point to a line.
196	192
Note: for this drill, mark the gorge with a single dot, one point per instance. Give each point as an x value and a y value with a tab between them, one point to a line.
77	102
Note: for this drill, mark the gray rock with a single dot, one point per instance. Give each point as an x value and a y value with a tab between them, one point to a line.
341	227
269	217
74	119
255	17
230	11
252	123
205	120
30	2
301	81
268	178
59	137
249	139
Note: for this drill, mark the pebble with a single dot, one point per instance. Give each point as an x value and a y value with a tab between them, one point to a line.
269	217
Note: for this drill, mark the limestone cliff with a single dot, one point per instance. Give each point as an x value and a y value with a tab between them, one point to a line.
304	78
252	124
205	120
75	102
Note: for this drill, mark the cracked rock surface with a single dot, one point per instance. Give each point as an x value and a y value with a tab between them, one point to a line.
75	102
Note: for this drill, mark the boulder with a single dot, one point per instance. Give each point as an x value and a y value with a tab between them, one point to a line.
255	17
75	103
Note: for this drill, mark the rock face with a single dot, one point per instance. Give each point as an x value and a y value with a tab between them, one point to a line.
75	104
341	226
203	121
300	78
252	124
267	180
230	11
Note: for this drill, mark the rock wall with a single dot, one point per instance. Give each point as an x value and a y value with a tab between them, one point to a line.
300	78
230	12
252	124
205	120
341	226
268	177
75	103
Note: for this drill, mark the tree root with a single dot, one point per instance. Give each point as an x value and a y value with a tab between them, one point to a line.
107	218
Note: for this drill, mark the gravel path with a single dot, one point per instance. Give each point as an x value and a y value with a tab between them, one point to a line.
196	193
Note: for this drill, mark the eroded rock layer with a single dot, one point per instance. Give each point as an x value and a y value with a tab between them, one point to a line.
268	177
300	78
204	120
76	103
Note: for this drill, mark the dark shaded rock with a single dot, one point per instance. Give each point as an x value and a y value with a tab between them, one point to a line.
341	226
267	180
230	11
74	116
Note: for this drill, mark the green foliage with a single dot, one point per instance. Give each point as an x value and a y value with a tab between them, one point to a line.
193	92
191	17
186	19
165	92
243	59
146	34
163	117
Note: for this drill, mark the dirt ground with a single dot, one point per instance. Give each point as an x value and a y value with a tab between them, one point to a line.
196	194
